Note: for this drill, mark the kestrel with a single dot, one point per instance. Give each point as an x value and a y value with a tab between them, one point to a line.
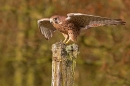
72	24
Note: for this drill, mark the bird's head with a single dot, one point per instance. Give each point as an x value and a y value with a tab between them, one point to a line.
55	20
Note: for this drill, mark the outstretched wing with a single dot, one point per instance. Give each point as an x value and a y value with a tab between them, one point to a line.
46	27
85	21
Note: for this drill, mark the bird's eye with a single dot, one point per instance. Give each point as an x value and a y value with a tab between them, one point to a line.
55	18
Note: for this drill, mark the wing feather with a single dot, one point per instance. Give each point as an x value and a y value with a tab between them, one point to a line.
85	20
46	27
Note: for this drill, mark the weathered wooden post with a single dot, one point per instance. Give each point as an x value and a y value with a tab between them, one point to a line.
63	64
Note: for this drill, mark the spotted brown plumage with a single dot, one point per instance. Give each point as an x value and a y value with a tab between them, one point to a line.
72	24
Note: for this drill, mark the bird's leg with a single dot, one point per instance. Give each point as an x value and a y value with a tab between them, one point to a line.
67	41
72	35
66	37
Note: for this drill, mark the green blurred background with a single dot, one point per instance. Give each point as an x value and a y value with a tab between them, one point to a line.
25	56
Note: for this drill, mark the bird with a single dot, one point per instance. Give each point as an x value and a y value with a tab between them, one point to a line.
73	24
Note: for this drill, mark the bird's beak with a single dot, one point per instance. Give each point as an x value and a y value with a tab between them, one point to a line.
51	21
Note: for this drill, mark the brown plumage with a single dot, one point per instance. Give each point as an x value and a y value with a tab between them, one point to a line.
72	25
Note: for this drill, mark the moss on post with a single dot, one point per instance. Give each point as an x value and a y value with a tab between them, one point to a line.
63	64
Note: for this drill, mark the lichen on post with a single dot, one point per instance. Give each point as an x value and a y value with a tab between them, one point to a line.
63	64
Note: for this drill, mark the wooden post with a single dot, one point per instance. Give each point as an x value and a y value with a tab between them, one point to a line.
63	64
